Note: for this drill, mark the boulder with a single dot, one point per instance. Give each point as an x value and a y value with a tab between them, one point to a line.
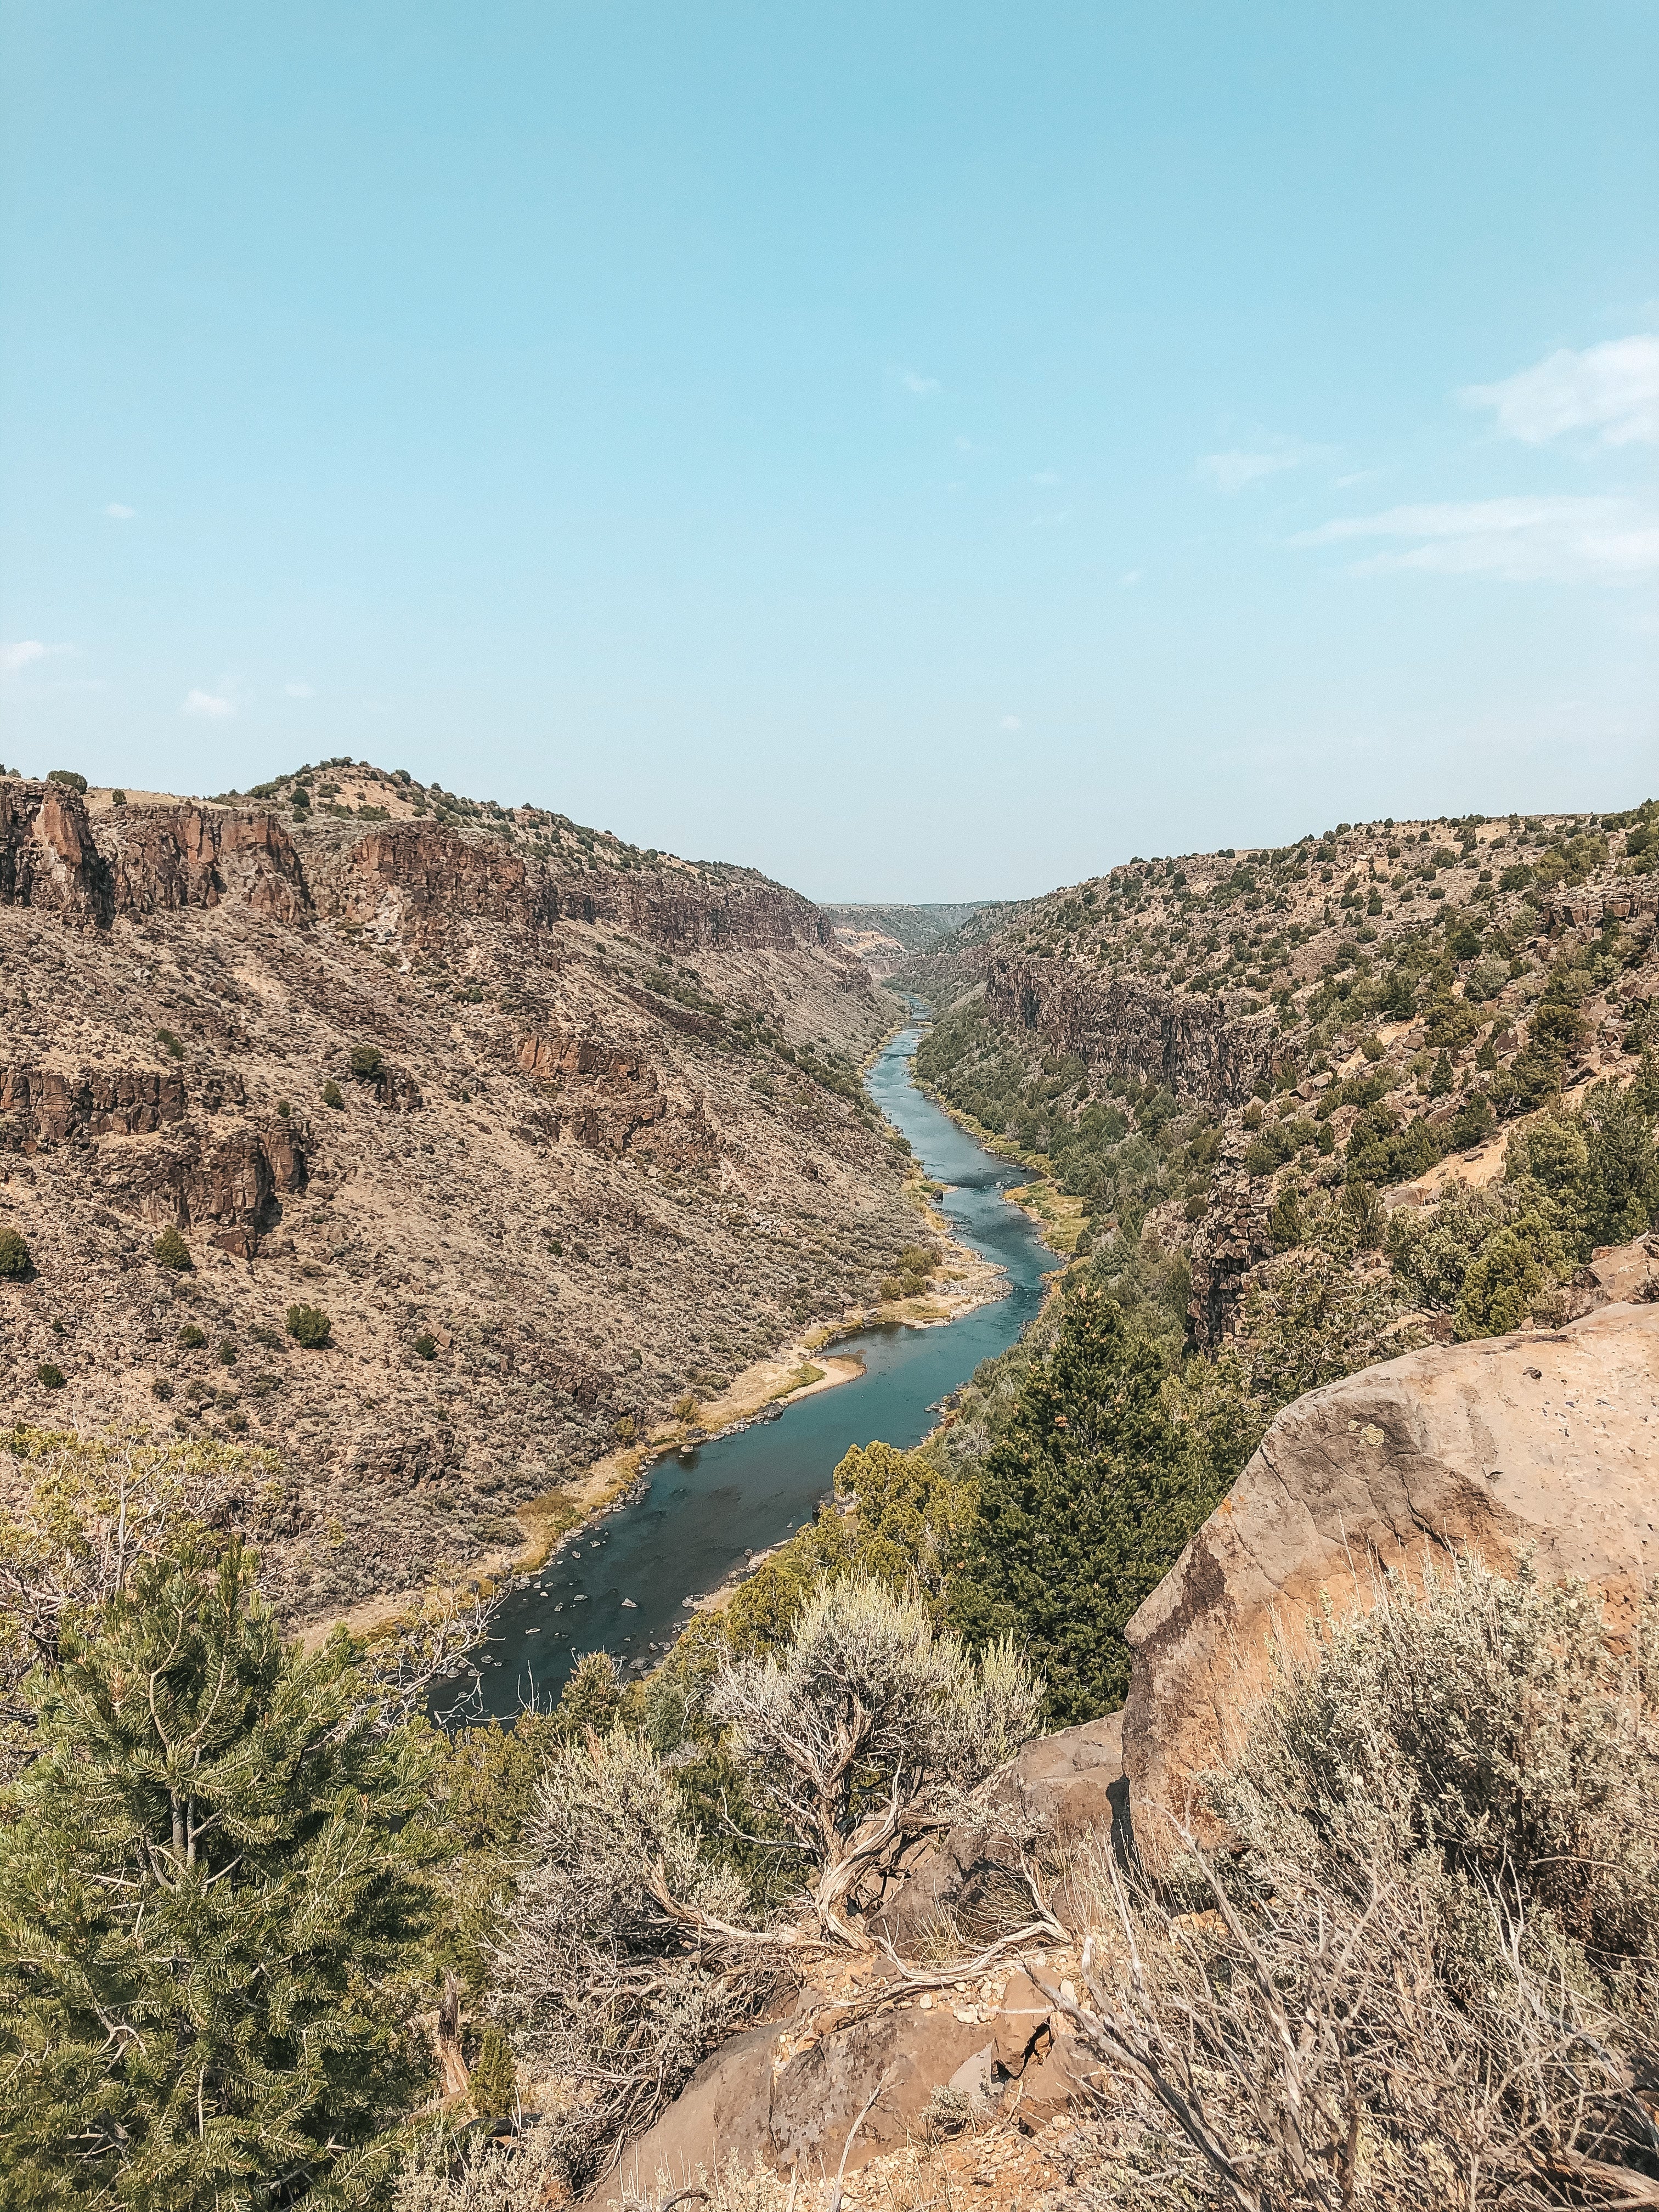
787	2093
1054	1787
1540	1444
1619	1274
787	2098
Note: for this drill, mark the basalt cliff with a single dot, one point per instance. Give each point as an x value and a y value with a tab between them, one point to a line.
553	1130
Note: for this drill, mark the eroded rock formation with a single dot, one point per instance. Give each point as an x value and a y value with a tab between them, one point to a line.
1541	1445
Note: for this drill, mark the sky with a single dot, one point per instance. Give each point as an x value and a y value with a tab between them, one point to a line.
924	451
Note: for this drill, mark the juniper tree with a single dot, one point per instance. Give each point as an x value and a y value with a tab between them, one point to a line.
1084	1506
208	1895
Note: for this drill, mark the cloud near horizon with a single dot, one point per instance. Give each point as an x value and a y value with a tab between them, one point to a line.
119	514
914	382
17	656
208	706
1560	539
1613	389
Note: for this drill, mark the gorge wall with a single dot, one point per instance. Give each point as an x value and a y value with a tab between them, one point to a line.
581	1123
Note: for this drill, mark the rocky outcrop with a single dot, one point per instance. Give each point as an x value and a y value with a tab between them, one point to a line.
380	1064
418	879
122	1102
788	2093
606	1098
162	859
1546	1445
47	856
142	860
1125	1025
228	1184
1059	1786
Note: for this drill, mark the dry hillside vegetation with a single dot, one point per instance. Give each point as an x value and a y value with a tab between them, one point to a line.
1241	1058
436	1145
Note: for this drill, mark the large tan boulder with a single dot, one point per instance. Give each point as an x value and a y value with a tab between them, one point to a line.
1546	1443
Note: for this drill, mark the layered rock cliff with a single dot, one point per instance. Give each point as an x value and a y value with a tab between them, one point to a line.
582	1121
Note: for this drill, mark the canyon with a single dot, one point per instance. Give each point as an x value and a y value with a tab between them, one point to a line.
553	1130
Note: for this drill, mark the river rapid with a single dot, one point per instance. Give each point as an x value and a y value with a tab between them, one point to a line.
623	1583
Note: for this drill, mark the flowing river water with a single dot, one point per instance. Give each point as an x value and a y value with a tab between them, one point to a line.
622	1583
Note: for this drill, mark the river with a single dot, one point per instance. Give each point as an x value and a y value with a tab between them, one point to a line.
621	1583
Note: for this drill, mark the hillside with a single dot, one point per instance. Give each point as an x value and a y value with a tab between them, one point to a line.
882	936
553	1129
1220	1046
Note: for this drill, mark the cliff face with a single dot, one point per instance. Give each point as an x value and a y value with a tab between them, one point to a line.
580	1143
1129	1025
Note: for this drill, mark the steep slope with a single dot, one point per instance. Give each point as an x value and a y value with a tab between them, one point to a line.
885	937
552	1129
1190	1040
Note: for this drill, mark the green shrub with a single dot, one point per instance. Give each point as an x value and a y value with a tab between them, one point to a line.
170	1044
170	1250
495	2083
426	1347
332	1094
276	1968
308	1326
161	1389
365	1061
15	1260
227	1353
118	798
1500	1289
67	776
1284	1222
50	1378
192	1338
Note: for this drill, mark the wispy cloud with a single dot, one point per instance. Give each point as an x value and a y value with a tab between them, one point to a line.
1611	389
298	690
1564	540
119	514
1232	471
914	382
17	656
1046	476
208	707
1011	722
1130	577
1056	519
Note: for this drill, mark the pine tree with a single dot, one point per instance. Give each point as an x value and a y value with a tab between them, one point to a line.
1085	1506
208	1891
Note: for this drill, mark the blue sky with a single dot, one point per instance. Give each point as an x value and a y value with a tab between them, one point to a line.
922	451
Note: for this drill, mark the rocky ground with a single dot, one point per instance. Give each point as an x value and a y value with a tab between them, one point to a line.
1384	1002
555	1131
